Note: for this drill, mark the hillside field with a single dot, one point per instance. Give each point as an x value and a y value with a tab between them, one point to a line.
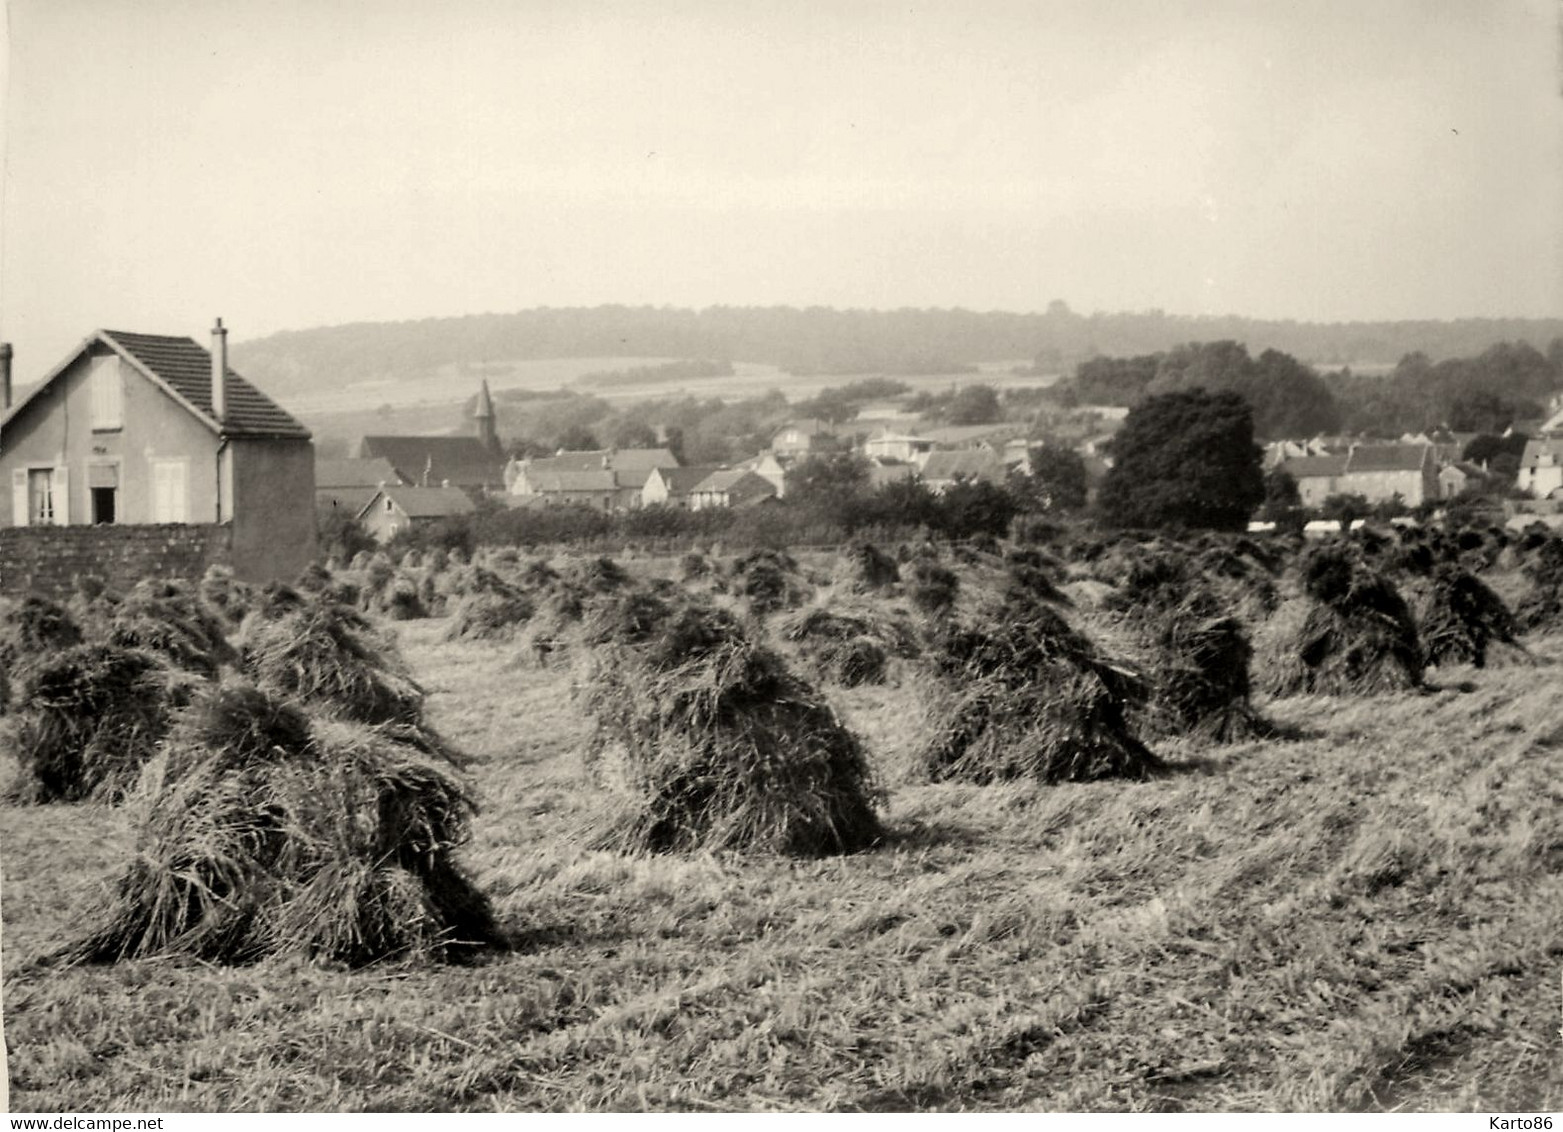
1364	915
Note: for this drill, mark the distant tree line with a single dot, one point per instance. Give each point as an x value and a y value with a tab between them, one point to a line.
817	340
1506	382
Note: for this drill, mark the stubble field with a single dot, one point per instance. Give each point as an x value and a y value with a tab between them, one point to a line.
1365	915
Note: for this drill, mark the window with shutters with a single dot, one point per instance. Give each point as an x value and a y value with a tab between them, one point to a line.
40	497
107	389
170	491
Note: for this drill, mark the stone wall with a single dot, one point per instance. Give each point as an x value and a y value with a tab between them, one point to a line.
51	560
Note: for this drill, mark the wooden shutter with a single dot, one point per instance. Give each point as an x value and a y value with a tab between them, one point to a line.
62	496
170	502
19	500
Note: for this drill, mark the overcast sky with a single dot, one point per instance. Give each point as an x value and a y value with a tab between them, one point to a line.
292	163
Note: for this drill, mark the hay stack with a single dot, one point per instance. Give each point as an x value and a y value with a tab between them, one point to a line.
1021	694
1356	636
1461	621
849	645
864	568
489	617
1197	655
933	588
168	618
768	580
718	745
325	656
261	835
88	718
1542	605
31	630
225	596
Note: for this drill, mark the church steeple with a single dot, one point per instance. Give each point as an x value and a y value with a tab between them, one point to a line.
483	417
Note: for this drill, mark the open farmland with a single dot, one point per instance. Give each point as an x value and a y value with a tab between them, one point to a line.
1364	911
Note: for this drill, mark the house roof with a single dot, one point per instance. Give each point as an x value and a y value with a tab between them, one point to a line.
1536	449
423	502
183	369
354	473
463	460
973	463
681	481
619	459
739	485
549	480
350	499
808	426
1309	467
1366	458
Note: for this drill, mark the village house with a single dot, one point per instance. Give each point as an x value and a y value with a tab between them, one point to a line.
396	508
1541	467
346	485
731	487
1377	472
1316	476
671	487
609	479
134	429
476	463
1380	472
944	468
897	446
1455	478
797	439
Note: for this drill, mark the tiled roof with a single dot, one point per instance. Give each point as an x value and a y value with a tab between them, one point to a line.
1536	449
426	502
739	485
973	463
553	481
619	459
681	481
1367	458
354	473
349	499
462	460
1300	467
186	367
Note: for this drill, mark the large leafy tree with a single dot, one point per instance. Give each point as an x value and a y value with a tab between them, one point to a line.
1057	481
1185	459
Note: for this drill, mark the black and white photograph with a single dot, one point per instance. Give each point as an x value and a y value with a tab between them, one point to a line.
706	556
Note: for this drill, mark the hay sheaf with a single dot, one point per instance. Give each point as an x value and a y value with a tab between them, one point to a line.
489	616
32	631
1354	636
1019	693
328	658
1541	606
1462	621
168	618
88	719
850	645
1197	655
864	567
261	834
768	580
717	745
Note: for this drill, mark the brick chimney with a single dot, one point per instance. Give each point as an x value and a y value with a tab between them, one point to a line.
219	372
5	375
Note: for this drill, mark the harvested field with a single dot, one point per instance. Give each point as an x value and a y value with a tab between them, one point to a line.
1366	916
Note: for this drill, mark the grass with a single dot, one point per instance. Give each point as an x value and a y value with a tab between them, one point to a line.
1366	917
